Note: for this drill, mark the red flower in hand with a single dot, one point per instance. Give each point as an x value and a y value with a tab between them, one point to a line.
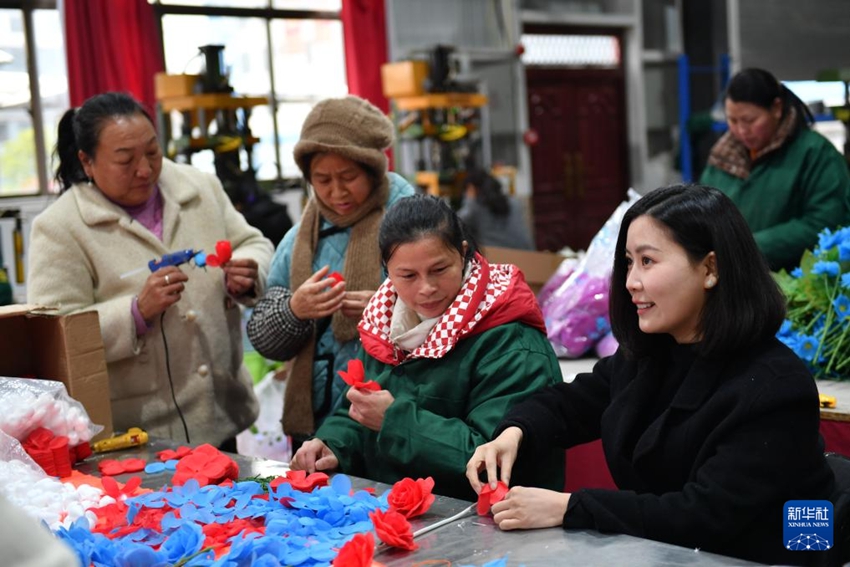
489	496
337	276
223	253
393	529
301	481
355	376
412	498
357	552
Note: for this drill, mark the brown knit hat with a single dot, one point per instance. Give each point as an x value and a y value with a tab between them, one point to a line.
351	127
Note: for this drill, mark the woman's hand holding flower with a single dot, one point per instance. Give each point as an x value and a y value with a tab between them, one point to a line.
500	453
368	407
319	296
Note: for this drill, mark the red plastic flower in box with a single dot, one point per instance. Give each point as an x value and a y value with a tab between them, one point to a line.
355	376
207	465
223	253
357	552
412	498
489	496
393	529
301	481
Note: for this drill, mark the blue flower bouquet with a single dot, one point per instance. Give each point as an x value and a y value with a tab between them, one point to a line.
817	327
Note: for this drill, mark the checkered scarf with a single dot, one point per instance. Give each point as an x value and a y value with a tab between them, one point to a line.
492	295
733	157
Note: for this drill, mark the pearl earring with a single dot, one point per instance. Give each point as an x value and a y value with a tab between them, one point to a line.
710	282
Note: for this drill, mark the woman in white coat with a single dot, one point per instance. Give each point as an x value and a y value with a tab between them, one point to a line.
172	336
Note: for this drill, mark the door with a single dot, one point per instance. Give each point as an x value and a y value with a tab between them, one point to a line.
579	164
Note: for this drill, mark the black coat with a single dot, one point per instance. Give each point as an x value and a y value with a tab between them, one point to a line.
711	469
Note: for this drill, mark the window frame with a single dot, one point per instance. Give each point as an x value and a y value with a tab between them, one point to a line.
36	108
268	14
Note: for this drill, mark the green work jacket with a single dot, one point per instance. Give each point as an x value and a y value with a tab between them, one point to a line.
791	194
445	408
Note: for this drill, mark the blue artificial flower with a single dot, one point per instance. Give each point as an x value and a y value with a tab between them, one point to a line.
807	347
183	542
841	304
139	556
797	272
826	268
826	240
845	281
786	328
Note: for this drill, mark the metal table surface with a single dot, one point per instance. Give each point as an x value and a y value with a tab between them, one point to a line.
472	540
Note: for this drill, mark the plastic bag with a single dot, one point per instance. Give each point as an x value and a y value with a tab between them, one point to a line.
564	270
576	314
11	450
266	438
32	403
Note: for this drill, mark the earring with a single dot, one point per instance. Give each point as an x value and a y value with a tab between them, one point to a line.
710	282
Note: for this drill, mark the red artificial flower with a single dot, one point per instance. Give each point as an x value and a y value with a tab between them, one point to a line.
111	488
393	529
301	481
207	465
412	498
357	552
337	276
223	253
489	496
355	376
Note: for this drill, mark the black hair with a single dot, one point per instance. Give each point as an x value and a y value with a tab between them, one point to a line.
760	87
746	305
412	218
80	128
490	193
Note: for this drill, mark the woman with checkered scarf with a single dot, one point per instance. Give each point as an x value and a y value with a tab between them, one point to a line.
453	342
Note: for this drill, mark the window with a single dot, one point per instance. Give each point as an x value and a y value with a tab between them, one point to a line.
271	48
571	50
30	27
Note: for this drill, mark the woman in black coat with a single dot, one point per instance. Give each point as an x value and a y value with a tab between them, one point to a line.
709	424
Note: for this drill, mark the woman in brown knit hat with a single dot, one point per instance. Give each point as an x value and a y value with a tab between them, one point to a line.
307	314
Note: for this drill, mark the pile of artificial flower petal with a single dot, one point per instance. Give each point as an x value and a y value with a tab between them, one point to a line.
230	524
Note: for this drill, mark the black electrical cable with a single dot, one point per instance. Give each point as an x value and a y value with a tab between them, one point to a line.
170	379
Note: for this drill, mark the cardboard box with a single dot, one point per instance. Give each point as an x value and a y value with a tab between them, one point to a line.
68	348
404	78
537	267
166	86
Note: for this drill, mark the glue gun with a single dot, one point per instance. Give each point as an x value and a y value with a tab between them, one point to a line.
133	438
173	259
179	257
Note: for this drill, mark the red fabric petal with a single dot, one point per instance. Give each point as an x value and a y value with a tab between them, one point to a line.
337	276
355	373
224	250
110	467
133	465
489	496
213	261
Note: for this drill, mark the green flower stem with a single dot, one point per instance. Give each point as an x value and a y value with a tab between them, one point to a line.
829	313
837	348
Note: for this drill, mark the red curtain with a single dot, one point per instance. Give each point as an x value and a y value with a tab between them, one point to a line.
364	29
112	45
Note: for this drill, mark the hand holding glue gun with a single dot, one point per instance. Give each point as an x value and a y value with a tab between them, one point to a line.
163	288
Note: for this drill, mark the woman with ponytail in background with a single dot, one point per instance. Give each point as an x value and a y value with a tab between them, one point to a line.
788	181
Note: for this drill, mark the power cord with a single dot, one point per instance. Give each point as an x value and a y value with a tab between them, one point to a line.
170	379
